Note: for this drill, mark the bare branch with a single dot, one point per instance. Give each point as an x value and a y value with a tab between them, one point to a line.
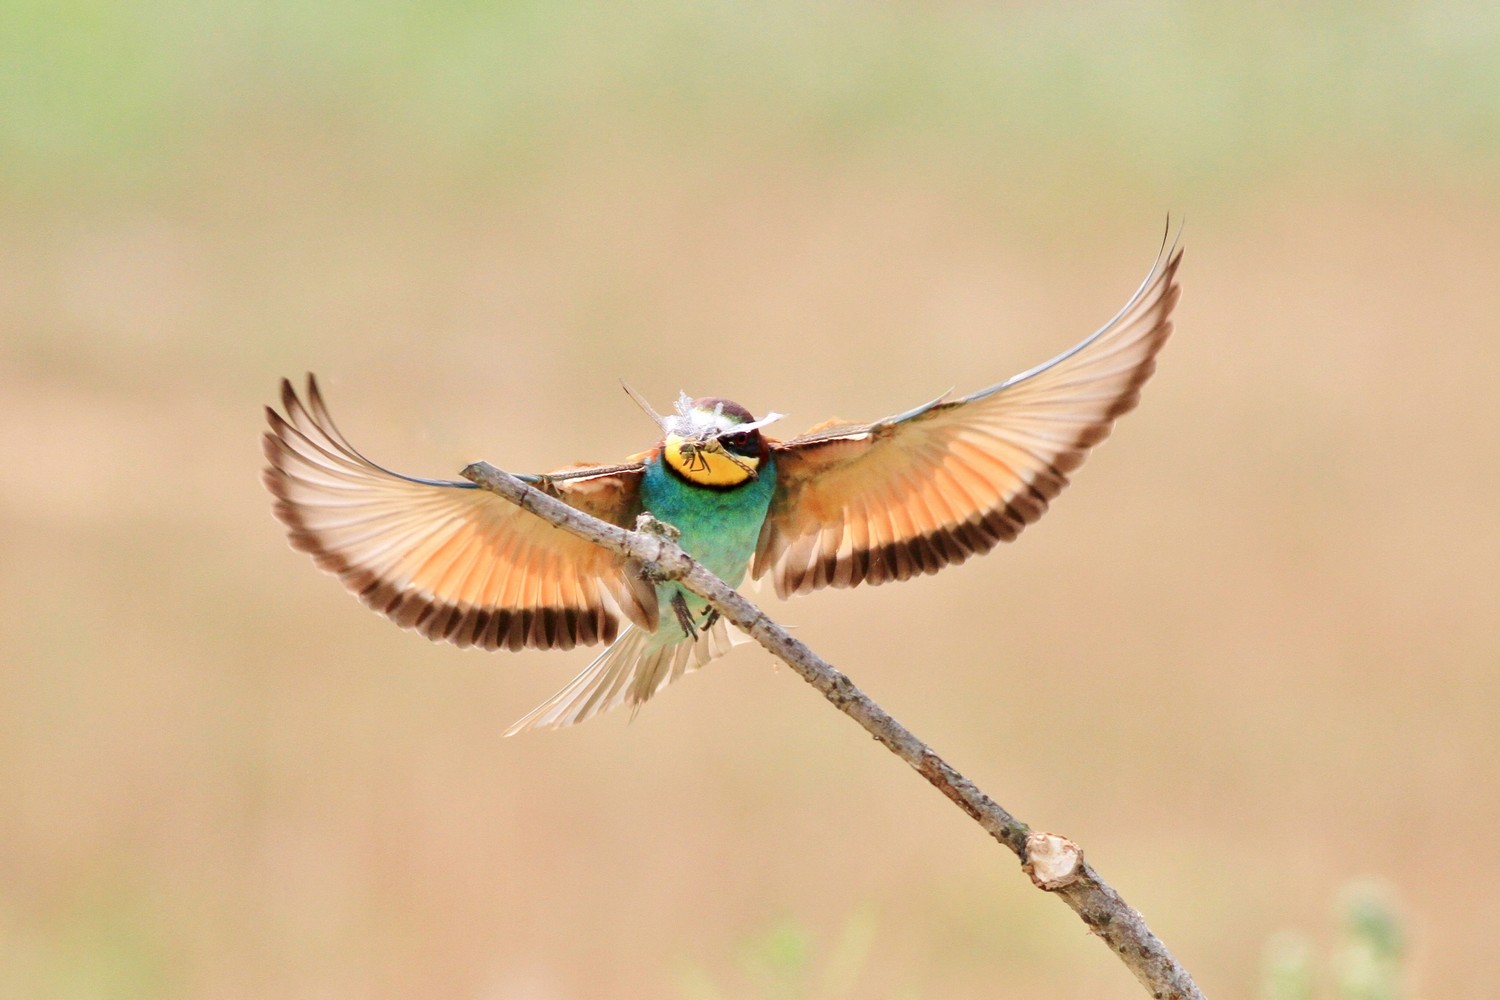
1054	863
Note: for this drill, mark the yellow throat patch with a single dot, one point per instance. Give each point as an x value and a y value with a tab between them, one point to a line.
698	464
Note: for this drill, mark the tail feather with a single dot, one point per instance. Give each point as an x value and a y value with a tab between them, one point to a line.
630	671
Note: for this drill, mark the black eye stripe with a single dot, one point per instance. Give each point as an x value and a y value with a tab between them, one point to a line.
744	442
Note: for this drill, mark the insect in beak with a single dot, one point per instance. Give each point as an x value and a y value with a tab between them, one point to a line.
641	402
716	446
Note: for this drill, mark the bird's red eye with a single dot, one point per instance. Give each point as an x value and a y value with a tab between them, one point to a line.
738	441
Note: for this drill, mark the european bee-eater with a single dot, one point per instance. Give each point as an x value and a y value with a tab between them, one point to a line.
841	505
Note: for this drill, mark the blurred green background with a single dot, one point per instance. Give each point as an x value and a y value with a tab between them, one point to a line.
1252	653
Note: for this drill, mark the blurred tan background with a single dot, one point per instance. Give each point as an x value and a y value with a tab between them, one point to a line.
1250	655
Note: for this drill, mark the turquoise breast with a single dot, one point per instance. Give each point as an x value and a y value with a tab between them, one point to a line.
719	526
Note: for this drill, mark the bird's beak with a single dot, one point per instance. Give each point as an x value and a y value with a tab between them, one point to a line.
714	445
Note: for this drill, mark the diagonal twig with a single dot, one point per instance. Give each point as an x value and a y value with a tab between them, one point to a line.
1054	863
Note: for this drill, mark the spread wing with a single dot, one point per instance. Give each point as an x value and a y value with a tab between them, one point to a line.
868	503
452	561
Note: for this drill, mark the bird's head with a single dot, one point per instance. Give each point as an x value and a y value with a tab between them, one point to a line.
711	441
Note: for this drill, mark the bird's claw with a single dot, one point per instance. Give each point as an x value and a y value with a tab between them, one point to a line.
684	616
649	525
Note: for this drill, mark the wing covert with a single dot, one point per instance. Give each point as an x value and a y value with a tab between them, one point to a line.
456	563
928	488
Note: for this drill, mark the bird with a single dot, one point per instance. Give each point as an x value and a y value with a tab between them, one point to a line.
843	504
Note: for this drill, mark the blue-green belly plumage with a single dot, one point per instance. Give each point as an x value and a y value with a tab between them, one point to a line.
719	529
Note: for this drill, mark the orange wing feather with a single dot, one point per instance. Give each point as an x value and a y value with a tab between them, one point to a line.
869	503
456	563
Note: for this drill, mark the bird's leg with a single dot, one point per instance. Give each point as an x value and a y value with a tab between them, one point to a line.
647	524
713	616
684	616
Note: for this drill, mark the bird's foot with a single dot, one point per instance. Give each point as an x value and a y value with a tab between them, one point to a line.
649	525
684	616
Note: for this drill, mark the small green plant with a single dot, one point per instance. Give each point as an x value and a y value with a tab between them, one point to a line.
779	963
1366	964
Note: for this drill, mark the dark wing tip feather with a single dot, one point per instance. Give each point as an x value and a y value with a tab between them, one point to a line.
462	625
803	566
